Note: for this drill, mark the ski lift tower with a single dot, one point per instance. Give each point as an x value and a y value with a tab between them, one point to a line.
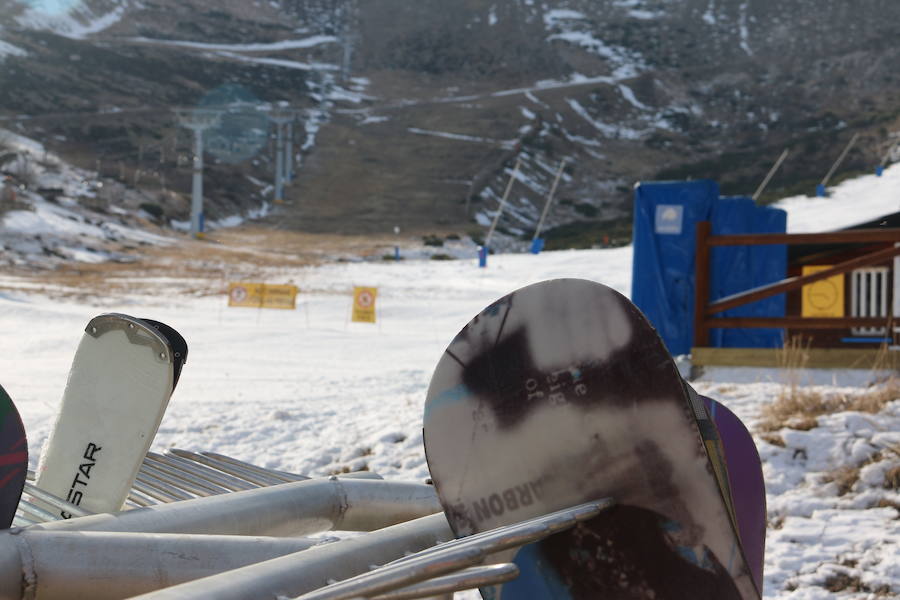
281	117
197	120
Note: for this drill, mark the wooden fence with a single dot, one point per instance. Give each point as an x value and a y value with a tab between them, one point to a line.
704	311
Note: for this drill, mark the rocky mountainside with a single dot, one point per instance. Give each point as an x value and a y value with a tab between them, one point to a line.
414	113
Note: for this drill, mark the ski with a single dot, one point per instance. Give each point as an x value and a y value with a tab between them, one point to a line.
562	392
122	376
13	459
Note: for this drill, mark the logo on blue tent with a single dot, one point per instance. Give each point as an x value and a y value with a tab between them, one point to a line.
669	218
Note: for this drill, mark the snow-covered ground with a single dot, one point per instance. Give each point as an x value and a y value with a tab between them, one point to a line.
308	391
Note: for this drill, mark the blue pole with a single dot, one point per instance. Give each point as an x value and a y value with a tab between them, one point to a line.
820	190
879	170
537	244
482	256
396	252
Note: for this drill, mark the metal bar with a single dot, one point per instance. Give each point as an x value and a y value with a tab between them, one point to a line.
187	483
388	578
289	153
279	161
466	579
261	479
197	184
140	499
537	231
798	322
160	486
34	510
437	560
317	567
215	476
771	173
840	159
794	283
519	534
71	565
314	568
284	476
55	501
701	284
288	509
887	154
152	492
512	178
863	236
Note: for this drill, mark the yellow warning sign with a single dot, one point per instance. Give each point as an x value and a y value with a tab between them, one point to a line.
364	304
280	296
262	295
824	298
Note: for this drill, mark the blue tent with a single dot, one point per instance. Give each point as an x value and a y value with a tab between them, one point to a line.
665	226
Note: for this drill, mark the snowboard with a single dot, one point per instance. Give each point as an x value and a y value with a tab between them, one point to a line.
13	459
561	393
745	478
122	376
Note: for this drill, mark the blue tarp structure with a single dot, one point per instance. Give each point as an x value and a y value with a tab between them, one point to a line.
736	269
665	225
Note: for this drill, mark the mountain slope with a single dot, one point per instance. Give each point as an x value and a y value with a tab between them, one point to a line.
416	112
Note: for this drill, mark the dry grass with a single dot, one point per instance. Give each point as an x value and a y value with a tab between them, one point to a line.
844	477
892	479
798	406
204	267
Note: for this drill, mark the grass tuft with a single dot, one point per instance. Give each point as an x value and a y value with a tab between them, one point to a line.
799	406
844	477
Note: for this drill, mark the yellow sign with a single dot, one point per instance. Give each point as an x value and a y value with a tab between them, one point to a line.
364	304
262	295
824	298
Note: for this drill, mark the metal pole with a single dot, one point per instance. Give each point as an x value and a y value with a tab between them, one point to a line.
288	509
839	160
314	568
197	187
537	231
350	561
197	120
512	178
467	579
289	154
887	154
69	565
770	174
279	162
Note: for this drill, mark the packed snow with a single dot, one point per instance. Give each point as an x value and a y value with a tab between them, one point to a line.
309	42
311	392
69	18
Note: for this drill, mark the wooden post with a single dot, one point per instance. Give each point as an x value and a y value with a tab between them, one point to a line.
701	285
